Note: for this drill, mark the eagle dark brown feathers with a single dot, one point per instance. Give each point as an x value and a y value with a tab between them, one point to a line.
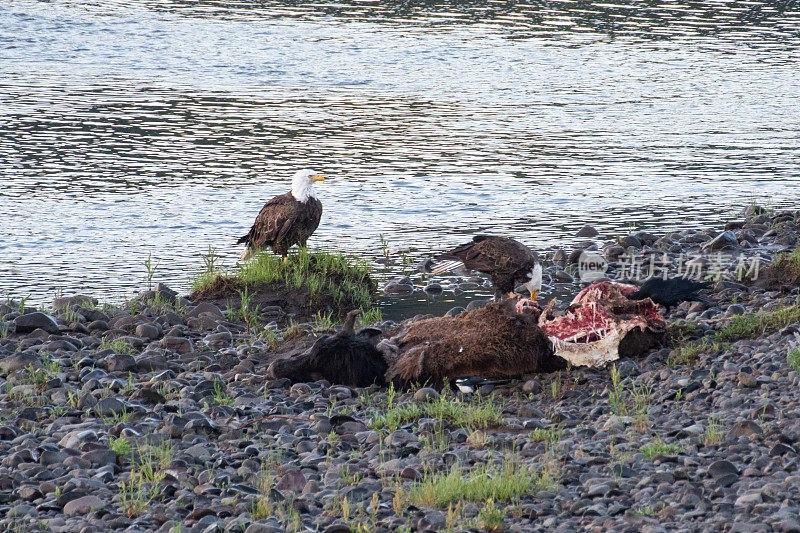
283	222
505	260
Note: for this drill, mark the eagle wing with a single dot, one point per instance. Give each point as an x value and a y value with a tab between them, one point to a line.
498	254
273	222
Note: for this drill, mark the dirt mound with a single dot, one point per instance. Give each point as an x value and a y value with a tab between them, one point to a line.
274	300
277	299
783	275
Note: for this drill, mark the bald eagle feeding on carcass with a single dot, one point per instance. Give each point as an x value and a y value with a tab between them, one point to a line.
287	219
506	261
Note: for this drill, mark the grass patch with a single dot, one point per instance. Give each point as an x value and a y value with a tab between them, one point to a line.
633	402
120	446
793	358
320	278
745	326
478	484
492	516
659	447
713	433
221	395
546	435
323	321
478	412
144	484
792	257
117	345
265	507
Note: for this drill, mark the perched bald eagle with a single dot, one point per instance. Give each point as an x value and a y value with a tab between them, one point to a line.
508	262
287	219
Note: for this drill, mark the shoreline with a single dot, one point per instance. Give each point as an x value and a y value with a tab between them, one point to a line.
149	419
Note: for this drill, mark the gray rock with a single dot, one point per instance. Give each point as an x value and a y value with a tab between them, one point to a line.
148	331
83	505
397	289
724	241
627	368
205	307
120	362
263	527
432	521
789	525
181	345
101	457
630	240
735	309
294	481
532	386
61	304
718	469
433	288
30	321
587	231
218	340
749	498
18	361
562	276
426	394
108	407
455	311
747	379
744	429
782	449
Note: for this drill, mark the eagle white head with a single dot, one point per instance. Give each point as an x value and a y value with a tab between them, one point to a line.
534	284
303	184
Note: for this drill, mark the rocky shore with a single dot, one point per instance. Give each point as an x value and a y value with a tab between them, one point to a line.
158	416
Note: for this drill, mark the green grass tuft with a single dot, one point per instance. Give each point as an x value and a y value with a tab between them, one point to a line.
478	484
118	345
331	278
793	358
476	413
745	326
659	447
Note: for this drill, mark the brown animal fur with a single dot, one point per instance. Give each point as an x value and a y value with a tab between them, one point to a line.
491	342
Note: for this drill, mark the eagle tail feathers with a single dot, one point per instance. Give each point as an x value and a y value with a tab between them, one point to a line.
446	266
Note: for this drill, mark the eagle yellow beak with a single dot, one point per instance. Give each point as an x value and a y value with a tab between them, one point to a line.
317	177
534	295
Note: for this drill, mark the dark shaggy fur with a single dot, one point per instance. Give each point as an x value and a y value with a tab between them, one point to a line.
672	291
491	342
346	358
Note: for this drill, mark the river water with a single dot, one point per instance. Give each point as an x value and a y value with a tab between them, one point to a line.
133	128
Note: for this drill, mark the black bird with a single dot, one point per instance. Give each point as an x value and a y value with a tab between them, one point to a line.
671	291
346	358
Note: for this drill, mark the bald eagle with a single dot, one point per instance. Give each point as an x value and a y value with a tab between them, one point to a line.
507	262
287	219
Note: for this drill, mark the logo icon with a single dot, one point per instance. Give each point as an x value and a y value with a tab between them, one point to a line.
591	266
